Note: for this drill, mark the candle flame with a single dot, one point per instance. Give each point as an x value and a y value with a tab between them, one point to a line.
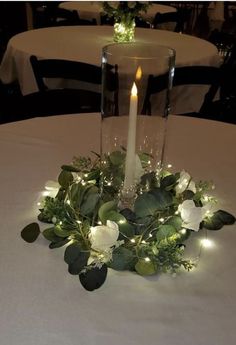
134	90
139	73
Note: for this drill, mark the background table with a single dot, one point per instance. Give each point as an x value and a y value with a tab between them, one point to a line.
93	9
84	43
42	304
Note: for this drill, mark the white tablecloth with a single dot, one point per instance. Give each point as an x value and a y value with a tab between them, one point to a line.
41	303
84	43
93	9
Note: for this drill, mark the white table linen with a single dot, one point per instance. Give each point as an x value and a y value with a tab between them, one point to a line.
84	43
92	9
41	303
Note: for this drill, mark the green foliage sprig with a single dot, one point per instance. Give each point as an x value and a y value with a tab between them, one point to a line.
124	10
86	216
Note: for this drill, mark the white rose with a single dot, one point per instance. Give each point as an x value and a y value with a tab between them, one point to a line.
191	215
103	237
183	183
52	188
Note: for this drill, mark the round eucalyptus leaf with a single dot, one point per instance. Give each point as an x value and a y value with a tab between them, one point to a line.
65	179
175	221
165	231
117	158
93	278
72	252
145	205
70	168
31	232
79	263
122	259
225	217
105	209
58	244
146	268
50	235
163	198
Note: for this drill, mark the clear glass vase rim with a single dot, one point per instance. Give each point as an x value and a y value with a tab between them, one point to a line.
171	51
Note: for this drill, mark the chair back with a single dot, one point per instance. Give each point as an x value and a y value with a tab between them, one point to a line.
189	75
66	69
180	17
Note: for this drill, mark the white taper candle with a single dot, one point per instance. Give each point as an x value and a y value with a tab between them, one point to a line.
131	140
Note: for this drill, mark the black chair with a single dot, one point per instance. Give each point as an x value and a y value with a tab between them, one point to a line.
179	18
190	75
59	101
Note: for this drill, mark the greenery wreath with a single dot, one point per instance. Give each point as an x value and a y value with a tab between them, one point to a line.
86	217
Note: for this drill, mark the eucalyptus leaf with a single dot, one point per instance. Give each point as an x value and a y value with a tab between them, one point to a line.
93	278
50	235
117	158
65	179
213	223
163	198
122	259
165	231
89	204
225	217
168	182
175	221
146	268
31	232
79	263
58	244
145	205
70	168
105	209
62	232
72	253
149	179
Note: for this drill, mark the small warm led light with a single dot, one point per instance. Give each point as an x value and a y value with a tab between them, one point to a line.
99	222
60	222
150	235
85	175
176	212
206	243
68	202
38	203
132	240
83	183
109	183
161	220
78	222
183	231
147	259
169	166
122	221
143	242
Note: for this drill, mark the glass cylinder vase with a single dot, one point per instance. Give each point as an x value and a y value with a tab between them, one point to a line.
136	84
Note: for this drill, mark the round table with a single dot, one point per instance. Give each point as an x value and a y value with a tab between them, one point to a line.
42	304
93	9
84	43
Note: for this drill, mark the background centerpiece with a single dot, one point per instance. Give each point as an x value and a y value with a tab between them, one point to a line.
124	13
